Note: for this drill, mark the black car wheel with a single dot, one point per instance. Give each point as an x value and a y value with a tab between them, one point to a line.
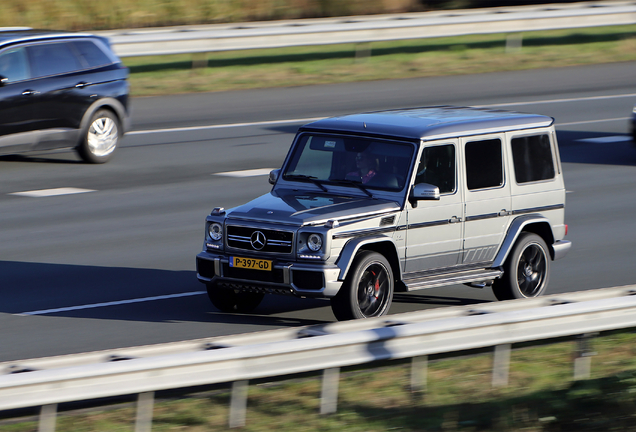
228	300
101	138
526	271
367	290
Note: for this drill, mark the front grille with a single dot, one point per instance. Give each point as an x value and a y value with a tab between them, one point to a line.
249	287
274	276
307	280
247	238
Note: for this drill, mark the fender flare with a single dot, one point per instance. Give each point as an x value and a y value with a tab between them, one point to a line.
517	226
351	248
108	102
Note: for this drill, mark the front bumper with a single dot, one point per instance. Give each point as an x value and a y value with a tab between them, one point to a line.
317	280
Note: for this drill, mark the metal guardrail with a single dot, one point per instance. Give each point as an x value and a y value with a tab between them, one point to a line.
365	29
327	348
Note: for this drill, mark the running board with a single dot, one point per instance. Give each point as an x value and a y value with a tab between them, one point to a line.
434	281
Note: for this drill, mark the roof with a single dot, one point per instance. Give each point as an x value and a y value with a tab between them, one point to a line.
11	35
429	123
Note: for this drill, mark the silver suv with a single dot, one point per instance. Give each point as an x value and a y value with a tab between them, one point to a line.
369	204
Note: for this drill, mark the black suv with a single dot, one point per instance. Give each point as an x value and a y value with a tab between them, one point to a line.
61	90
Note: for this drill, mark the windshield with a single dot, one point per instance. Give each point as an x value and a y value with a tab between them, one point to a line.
350	161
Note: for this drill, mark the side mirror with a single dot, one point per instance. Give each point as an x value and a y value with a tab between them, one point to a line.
3	80
423	191
273	176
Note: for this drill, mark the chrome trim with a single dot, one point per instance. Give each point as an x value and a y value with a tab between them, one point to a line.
363	233
561	248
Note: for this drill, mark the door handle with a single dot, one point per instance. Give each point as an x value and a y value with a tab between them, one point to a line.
30	92
504	212
454	219
82	85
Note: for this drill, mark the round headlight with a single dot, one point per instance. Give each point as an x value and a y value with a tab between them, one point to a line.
314	242
215	231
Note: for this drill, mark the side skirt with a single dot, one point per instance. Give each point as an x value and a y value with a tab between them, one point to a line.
451	278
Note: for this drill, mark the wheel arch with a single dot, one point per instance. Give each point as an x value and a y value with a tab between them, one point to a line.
110	104
380	244
537	224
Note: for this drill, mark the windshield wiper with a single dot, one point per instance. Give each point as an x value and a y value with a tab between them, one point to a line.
353	183
312	179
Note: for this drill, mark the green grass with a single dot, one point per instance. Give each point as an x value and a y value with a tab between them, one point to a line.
541	396
301	66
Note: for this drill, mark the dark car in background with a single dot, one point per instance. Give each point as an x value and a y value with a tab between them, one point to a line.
632	124
61	90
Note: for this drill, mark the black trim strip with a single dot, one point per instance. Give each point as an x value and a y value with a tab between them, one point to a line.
481	217
536	209
429	224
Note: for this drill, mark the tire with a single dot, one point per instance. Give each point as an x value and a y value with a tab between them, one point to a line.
228	300
526	271
367	290
101	138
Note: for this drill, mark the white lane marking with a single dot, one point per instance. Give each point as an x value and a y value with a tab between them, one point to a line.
549	101
113	303
593	121
223	126
310	119
246	173
606	139
51	192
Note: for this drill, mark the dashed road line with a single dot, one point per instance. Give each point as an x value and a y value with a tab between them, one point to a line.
606	139
246	173
51	192
113	303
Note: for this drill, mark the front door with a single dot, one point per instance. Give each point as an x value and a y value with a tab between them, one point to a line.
16	97
434	228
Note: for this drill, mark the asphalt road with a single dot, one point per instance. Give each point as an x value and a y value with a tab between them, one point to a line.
114	266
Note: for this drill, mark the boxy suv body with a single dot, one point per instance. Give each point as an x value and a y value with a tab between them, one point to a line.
61	90
369	204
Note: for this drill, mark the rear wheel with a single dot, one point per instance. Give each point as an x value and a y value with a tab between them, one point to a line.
526	271
101	138
367	291
228	300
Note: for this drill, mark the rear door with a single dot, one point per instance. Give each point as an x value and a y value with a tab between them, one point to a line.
487	194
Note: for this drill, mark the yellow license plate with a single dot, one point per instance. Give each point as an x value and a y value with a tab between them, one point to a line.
251	263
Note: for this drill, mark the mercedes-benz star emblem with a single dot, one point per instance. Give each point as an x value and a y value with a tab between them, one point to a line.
258	240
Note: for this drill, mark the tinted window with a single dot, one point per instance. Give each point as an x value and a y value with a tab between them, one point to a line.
437	167
532	157
14	64
52	59
484	167
92	55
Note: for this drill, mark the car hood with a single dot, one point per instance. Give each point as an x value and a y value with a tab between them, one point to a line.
308	208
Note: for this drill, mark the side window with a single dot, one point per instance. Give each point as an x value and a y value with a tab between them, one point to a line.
92	55
484	164
14	65
437	167
52	59
532	158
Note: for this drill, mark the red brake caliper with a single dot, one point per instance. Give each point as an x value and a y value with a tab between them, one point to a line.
377	285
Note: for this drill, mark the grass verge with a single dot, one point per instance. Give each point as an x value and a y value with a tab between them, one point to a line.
541	396
301	66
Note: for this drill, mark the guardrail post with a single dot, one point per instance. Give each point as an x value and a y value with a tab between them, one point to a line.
199	60
363	51
238	403
501	365
583	359
48	415
145	405
329	396
419	370
514	42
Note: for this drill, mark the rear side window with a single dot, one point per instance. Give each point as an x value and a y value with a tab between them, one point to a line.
484	164
532	158
14	65
52	59
91	54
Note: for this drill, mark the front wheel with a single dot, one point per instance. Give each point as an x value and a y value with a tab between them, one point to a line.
526	271
367	290
228	300
101	138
